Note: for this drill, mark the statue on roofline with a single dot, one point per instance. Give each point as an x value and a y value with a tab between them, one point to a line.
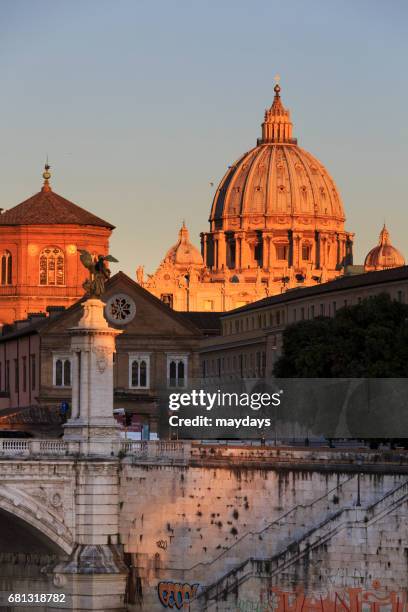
99	272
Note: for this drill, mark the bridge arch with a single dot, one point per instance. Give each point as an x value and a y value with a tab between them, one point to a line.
17	503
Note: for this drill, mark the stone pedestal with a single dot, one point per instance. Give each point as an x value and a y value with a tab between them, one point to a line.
93	578
93	345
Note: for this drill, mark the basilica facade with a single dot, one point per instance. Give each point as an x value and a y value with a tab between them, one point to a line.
277	222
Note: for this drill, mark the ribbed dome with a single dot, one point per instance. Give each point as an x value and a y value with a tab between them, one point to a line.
384	255
184	252
276	182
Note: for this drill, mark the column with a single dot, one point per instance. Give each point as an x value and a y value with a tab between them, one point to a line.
221	250
323	250
272	254
203	238
267	250
317	250
291	249
238	251
75	384
296	254
245	253
349	250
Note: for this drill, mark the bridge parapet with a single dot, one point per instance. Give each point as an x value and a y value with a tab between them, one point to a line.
39	447
210	454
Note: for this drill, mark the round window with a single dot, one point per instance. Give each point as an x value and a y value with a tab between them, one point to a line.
120	309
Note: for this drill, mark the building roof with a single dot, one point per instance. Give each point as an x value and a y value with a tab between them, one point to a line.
208	322
340	284
48	208
27	328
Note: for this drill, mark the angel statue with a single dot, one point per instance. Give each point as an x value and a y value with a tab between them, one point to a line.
99	272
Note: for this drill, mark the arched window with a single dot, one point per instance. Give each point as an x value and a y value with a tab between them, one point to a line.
177	370
67	373
139	371
62	371
52	266
135	374
6	268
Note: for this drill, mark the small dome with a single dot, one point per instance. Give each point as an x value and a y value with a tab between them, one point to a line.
184	252
384	255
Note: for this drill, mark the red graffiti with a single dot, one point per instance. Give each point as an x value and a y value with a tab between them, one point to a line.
343	600
176	595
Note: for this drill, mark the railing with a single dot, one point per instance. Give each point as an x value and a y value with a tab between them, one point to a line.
52	447
154	449
38	446
15	447
354	459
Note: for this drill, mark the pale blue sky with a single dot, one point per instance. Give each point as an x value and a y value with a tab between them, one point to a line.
140	105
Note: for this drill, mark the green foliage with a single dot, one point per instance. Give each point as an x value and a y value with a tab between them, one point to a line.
366	340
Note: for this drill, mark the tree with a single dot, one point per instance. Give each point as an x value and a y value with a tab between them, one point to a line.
368	340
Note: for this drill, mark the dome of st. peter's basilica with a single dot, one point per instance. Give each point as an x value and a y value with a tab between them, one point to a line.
276	222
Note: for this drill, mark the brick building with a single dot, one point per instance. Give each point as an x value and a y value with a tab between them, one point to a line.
39	242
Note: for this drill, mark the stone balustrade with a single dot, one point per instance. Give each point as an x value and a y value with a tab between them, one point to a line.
197	453
154	449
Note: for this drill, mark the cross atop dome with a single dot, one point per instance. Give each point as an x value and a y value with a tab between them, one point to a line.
277	88
277	126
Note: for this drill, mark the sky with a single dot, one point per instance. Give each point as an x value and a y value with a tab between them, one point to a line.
141	105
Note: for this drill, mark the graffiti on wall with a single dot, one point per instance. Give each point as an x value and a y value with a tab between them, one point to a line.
176	595
343	599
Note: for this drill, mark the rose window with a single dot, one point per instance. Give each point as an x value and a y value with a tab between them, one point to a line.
120	309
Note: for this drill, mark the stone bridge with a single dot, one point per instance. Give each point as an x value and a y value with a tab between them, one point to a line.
155	525
99	523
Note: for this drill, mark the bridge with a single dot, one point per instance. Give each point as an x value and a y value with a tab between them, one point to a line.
138	525
109	524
